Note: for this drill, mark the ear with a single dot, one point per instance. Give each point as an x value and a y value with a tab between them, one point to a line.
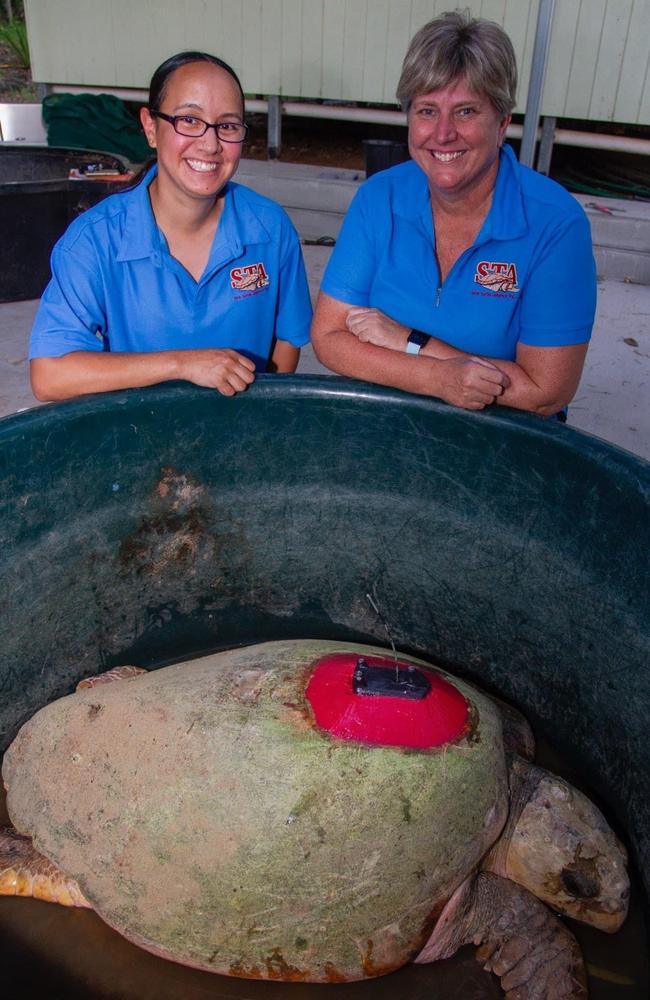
503	125
149	126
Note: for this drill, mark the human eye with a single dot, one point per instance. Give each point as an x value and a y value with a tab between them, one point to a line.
233	128
466	112
189	121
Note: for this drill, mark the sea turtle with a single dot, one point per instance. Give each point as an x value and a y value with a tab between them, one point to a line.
311	811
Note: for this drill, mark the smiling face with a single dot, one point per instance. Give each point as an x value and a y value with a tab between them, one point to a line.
454	136
195	167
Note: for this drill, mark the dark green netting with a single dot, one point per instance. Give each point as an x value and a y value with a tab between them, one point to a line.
94	121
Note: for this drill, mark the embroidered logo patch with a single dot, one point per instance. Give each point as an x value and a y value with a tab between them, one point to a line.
249	278
496	276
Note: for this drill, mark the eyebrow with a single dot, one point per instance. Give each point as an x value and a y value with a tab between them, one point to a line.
459	104
191	106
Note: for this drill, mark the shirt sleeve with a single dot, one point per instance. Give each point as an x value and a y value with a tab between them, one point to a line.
352	265
71	315
558	304
293	311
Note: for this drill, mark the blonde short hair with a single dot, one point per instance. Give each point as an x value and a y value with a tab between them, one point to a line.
456	45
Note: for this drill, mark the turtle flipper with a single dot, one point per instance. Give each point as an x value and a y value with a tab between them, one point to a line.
535	956
25	872
519	939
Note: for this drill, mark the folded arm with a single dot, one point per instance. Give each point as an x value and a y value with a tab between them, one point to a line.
461	379
541	380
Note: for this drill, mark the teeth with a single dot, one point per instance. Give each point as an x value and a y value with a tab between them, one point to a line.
447	157
202	165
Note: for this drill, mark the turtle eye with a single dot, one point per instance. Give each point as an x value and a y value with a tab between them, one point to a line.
579	883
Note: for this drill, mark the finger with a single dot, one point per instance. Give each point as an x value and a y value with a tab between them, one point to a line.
241	359
480	397
494	379
236	382
483	362
246	375
355	323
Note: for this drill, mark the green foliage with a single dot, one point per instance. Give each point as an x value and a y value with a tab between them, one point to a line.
14	34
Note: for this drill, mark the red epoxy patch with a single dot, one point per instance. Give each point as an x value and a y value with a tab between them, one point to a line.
438	718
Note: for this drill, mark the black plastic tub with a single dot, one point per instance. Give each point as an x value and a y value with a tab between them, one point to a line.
38	200
155	525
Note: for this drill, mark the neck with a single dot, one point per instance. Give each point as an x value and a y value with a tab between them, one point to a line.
177	214
466	204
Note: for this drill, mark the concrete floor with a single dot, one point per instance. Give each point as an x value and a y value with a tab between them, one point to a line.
613	399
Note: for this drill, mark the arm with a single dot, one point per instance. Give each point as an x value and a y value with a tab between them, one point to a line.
66	355
284	357
465	381
542	380
293	310
80	372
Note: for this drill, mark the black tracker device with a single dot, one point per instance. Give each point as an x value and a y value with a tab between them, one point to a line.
416	341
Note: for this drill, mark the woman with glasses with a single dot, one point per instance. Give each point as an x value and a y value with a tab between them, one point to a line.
461	274
184	276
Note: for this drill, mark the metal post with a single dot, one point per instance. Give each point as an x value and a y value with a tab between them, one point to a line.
536	82
546	144
274	127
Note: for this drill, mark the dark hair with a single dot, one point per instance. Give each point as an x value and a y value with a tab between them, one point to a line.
158	86
159	80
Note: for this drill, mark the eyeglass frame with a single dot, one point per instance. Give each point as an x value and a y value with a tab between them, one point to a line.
172	119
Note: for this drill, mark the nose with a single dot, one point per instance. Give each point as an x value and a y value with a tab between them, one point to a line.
210	140
444	128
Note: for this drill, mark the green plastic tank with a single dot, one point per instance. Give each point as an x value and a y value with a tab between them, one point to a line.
154	525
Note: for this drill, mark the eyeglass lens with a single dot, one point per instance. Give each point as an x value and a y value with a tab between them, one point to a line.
227	131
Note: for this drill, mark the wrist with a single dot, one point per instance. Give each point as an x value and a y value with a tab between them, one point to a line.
415	341
173	364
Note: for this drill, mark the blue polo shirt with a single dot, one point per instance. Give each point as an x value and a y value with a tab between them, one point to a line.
530	275
116	287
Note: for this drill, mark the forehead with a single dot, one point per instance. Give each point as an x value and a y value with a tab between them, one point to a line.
456	92
202	85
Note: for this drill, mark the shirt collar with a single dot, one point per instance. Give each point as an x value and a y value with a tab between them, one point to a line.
238	226
507	216
506	219
140	237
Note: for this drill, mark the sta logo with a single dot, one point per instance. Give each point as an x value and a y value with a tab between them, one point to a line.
249	277
496	276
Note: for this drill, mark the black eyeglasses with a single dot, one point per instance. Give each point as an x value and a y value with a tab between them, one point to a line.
193	127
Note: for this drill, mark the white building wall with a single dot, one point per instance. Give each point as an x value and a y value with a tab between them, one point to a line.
342	50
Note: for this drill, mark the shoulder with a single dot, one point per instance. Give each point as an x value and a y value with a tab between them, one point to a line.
539	191
97	225
264	208
402	184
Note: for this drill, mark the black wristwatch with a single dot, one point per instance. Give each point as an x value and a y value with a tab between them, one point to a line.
416	341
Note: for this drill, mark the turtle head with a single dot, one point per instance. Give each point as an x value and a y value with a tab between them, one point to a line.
558	845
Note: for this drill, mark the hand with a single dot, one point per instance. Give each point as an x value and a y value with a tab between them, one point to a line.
373	327
217	368
471	382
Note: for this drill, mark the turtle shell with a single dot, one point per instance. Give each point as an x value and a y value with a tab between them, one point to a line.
208	817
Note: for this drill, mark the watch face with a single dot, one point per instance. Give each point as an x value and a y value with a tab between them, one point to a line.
418	338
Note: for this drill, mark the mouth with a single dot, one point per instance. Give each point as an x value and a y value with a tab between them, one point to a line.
203	166
447	157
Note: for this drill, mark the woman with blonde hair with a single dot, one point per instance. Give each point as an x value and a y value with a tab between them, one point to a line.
461	274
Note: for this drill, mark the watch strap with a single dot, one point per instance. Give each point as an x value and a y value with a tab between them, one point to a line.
416	341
